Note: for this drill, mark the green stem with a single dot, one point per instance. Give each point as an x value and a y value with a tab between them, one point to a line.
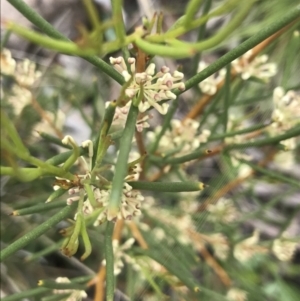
5	39
118	20
177	29
201	34
105	126
240	132
272	174
50	43
11	131
23	174
53	139
27	294
263	34
44	252
267	141
226	96
192	156
191	9
93	15
35	233
121	165
86	241
234	23
166	123
56	285
109	256
180	49
47	28
181	273
167	186
39	208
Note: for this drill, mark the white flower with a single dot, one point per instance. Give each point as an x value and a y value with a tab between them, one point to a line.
284	248
120	118
258	67
75	295
286	114
220	245
120	255
156	87
235	294
210	84
182	137
130	204
247	248
223	211
286	108
7	63
26	73
218	241
20	98
50	123
131	199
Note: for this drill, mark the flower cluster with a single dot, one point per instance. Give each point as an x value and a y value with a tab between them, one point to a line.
24	74
248	248
181	137
120	118
245	66
235	294
130	204
75	295
120	255
19	94
223	211
210	84
219	242
286	114
257	67
131	199
155	87
284	248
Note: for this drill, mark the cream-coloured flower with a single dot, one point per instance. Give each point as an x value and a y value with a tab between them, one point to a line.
220	245
121	114
19	98
223	211
120	255
284	248
286	108
286	115
156	87
7	63
236	294
131	199
181	138
248	248
50	123
75	295
130	204
218	241
258	67
26	73
210	84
